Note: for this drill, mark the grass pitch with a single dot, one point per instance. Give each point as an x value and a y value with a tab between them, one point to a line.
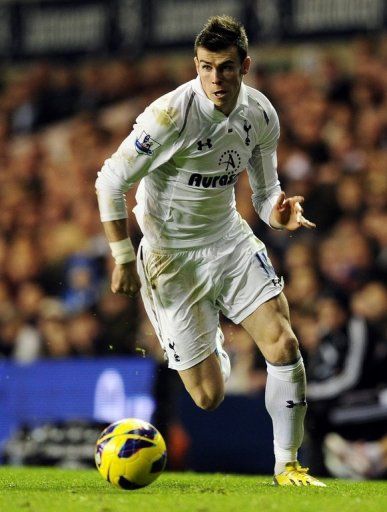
57	490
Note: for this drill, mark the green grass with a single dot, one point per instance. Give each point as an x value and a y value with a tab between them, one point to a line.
58	490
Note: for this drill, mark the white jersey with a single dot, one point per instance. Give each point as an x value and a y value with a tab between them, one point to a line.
188	156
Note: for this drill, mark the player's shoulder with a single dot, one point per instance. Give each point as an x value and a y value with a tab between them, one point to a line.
257	100
169	109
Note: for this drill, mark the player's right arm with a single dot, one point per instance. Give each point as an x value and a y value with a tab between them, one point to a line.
124	276
149	145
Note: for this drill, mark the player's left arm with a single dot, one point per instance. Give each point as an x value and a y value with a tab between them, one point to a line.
269	201
287	213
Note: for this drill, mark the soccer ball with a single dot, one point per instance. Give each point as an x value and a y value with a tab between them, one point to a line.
130	453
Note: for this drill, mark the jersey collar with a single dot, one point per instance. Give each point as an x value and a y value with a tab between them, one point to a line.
209	108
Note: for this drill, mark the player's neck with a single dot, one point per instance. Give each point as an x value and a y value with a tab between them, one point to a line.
227	109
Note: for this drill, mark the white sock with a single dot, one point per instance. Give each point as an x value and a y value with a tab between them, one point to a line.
286	404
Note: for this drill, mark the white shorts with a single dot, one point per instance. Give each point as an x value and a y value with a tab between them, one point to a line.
183	291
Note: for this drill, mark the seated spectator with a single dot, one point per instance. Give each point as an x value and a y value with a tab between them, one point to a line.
358	460
19	341
83	333
81	288
52	328
345	370
118	317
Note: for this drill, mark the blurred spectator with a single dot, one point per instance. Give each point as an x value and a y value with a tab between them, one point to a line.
83	334
18	341
52	327
23	262
371	302
358	460
346	359
81	287
60	97
28	301
303	287
118	317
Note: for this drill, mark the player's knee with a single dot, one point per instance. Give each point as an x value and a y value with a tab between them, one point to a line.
288	348
207	401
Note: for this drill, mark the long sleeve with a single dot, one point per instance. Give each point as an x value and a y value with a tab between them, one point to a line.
262	168
149	145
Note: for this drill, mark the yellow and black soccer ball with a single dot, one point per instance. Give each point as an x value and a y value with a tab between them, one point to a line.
130	453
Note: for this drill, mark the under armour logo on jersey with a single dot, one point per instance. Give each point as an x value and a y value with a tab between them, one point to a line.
292	404
202	145
247	128
176	356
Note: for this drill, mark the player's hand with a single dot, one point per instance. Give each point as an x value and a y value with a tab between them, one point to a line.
287	213
125	279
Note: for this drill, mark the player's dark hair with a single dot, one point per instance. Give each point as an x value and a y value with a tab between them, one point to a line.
221	32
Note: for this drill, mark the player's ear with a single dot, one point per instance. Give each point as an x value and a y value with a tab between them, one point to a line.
246	65
196	60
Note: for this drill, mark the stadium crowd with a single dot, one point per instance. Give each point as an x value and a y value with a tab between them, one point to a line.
58	122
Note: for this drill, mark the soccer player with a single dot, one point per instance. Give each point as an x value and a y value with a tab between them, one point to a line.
198	256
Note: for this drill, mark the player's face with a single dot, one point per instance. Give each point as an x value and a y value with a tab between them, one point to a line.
221	75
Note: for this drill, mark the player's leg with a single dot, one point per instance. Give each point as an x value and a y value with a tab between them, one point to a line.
285	396
269	326
285	389
185	320
205	383
223	358
252	296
